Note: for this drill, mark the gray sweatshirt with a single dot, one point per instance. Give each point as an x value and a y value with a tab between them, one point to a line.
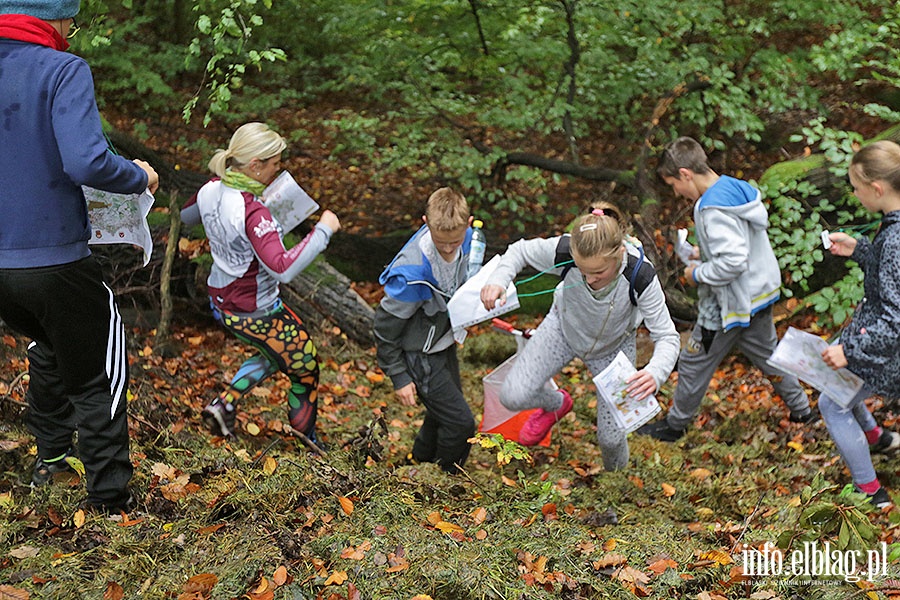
596	323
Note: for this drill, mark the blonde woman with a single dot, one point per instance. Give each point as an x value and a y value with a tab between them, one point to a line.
249	263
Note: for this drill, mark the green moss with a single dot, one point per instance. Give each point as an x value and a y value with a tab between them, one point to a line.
790	170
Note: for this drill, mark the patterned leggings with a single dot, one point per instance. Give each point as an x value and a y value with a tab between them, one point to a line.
284	345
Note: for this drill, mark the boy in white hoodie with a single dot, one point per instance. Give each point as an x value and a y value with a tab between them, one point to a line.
738	280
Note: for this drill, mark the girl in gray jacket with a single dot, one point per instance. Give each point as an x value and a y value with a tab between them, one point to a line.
869	344
597	307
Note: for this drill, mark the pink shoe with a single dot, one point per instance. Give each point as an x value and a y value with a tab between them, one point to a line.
540	422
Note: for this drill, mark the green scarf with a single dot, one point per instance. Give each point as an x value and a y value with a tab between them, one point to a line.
244	183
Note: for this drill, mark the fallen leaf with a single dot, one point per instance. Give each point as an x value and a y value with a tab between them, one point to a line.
795	446
211	528
9	341
253	429
262	587
397	568
701	473
717	556
481	535
447	527
203	583
659	566
479	515
668	490
509	482
336	578
609	544
113	591
78	518
609	560
280	576
269	465
374	377
346	505
8	592
24	552
631	575
586	547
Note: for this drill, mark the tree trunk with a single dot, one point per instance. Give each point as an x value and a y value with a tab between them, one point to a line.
163	335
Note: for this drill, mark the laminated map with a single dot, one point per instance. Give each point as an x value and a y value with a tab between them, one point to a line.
800	354
288	202
120	219
629	412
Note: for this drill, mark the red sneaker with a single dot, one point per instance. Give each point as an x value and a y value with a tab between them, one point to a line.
540	422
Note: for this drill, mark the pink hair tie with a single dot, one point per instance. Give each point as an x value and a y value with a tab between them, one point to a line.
598	212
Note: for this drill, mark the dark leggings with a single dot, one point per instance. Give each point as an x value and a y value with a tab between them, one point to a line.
284	345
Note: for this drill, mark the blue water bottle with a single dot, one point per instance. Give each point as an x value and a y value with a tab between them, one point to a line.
476	252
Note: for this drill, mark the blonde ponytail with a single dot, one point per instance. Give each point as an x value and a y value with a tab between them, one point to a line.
600	232
251	140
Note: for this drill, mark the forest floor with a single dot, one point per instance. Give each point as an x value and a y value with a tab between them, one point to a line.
263	517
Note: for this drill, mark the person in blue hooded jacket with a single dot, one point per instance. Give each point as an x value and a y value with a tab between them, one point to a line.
738	281
51	288
413	335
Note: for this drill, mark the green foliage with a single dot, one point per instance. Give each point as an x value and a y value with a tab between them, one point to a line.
799	212
129	66
823	515
507	450
461	84
227	37
835	304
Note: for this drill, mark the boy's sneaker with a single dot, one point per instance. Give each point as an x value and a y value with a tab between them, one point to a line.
888	443
219	417
880	499
807	418
541	421
44	471
661	431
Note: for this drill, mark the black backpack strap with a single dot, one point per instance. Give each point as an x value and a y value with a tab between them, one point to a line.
639	274
638	271
564	255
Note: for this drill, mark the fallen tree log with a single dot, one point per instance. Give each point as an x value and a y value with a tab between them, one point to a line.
322	295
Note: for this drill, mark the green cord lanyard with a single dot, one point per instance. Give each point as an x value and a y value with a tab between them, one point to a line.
865	227
533	277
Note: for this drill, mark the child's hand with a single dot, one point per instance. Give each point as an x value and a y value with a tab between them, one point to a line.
841	244
834	355
641	384
407	394
689	275
493	295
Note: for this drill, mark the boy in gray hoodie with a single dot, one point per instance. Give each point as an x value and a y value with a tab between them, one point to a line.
738	280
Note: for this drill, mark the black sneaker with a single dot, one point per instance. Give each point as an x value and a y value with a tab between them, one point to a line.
807	418
44	471
888	443
660	430
219	417
880	499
